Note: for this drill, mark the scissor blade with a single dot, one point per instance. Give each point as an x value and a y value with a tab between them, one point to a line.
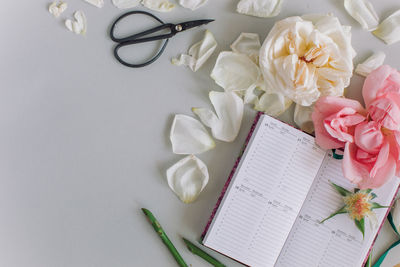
191	24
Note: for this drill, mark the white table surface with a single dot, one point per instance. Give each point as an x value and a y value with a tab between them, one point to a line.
84	141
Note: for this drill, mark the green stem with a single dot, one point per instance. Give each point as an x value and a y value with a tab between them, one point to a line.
197	251
157	227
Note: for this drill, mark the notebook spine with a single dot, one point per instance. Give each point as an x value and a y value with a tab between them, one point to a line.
380	227
253	127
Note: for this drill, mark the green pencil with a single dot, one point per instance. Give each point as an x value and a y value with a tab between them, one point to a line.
157	227
197	251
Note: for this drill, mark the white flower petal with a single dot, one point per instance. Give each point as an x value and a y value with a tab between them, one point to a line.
225	125
363	12
198	53
389	29
158	5
272	104
260	8
302	117
189	136
78	25
235	72
187	178
396	214
370	64
192	4
96	3
124	4
248	44
56	9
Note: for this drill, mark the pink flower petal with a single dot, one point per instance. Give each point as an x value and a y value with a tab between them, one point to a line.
331	117
353	170
382	80
368	137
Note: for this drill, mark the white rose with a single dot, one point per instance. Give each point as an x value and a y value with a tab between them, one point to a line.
307	57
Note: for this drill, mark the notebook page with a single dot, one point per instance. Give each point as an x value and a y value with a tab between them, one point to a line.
336	242
266	194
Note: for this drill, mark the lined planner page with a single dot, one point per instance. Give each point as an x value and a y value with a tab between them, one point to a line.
266	194
336	242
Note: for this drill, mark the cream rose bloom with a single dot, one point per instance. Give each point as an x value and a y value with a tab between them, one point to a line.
307	57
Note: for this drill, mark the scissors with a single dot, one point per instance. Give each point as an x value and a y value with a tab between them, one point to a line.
141	36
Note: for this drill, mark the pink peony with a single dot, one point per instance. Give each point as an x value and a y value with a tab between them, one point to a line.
372	142
334	120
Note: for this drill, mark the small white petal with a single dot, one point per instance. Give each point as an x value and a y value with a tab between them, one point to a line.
389	29
198	53
260	8
249	44
158	5
192	4
124	4
78	25
187	178
96	3
396	214
272	104
62	6
57	9
370	64
189	136
302	117
68	24
225	125
235	72
363	12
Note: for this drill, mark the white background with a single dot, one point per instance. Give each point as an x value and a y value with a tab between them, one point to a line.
84	140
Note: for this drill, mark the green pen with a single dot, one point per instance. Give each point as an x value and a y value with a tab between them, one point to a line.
202	254
157	227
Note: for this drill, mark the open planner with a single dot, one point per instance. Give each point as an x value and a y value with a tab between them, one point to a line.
270	210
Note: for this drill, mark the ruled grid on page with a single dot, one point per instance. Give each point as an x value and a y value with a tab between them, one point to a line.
266	194
337	242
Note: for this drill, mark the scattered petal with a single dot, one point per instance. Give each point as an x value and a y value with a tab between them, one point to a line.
273	104
225	124
189	136
363	12
389	29
57	9
248	44
192	4
187	178
78	25
198	53
370	64
235	72
260	8
96	3
124	4
158	5
302	117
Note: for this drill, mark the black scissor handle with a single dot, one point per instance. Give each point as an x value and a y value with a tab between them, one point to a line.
119	40
135	38
131	65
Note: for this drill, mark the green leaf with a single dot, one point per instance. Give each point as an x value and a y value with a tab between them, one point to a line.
369	261
373	195
378	206
367	191
344	192
360	225
339	211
